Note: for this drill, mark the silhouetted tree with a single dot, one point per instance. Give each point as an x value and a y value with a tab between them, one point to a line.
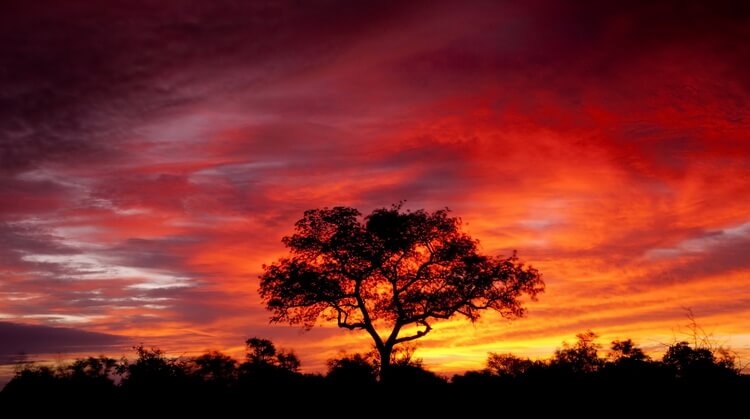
508	365
92	375
394	270
153	372
581	357
353	370
266	366
626	350
627	364
263	352
288	361
698	363
260	351
36	381
216	368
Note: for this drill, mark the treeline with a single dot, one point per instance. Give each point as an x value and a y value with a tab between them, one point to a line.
265	369
624	362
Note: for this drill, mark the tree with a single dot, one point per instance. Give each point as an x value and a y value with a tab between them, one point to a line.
92	375
262	352
699	363
626	351
581	357
392	274
288	361
34	381
153	371
355	371
216	368
508	365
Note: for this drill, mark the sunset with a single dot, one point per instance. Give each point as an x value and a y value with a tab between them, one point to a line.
154	154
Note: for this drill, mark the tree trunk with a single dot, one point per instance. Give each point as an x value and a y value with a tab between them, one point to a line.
385	364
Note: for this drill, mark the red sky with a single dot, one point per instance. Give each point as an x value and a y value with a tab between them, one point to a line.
153	154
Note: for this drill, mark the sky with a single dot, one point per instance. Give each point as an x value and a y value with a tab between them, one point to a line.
154	153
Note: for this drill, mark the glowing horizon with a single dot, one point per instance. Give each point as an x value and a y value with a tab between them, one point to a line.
152	158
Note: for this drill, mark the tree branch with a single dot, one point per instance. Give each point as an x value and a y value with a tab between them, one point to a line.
418	335
367	321
394	334
342	319
418	274
395	298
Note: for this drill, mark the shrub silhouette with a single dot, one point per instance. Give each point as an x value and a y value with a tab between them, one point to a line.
508	365
92	376
362	370
627	372
216	370
698	364
624	351
355	370
37	381
153	373
580	358
266	365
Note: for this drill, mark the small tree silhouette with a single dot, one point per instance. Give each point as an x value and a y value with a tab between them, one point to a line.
626	351
215	368
152	372
352	370
393	271
698	363
262	352
508	365
580	358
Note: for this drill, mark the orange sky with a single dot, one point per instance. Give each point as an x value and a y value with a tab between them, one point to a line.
151	159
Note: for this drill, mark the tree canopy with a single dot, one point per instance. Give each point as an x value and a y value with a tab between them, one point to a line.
392	273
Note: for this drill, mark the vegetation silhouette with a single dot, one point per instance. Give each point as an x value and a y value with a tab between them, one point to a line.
575	370
267	367
392	273
363	369
356	370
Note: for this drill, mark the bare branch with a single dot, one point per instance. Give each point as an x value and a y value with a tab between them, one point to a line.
418	335
342	319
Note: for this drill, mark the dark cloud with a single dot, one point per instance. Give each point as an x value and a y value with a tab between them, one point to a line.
24	197
18	339
710	254
31	238
167	253
85	78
